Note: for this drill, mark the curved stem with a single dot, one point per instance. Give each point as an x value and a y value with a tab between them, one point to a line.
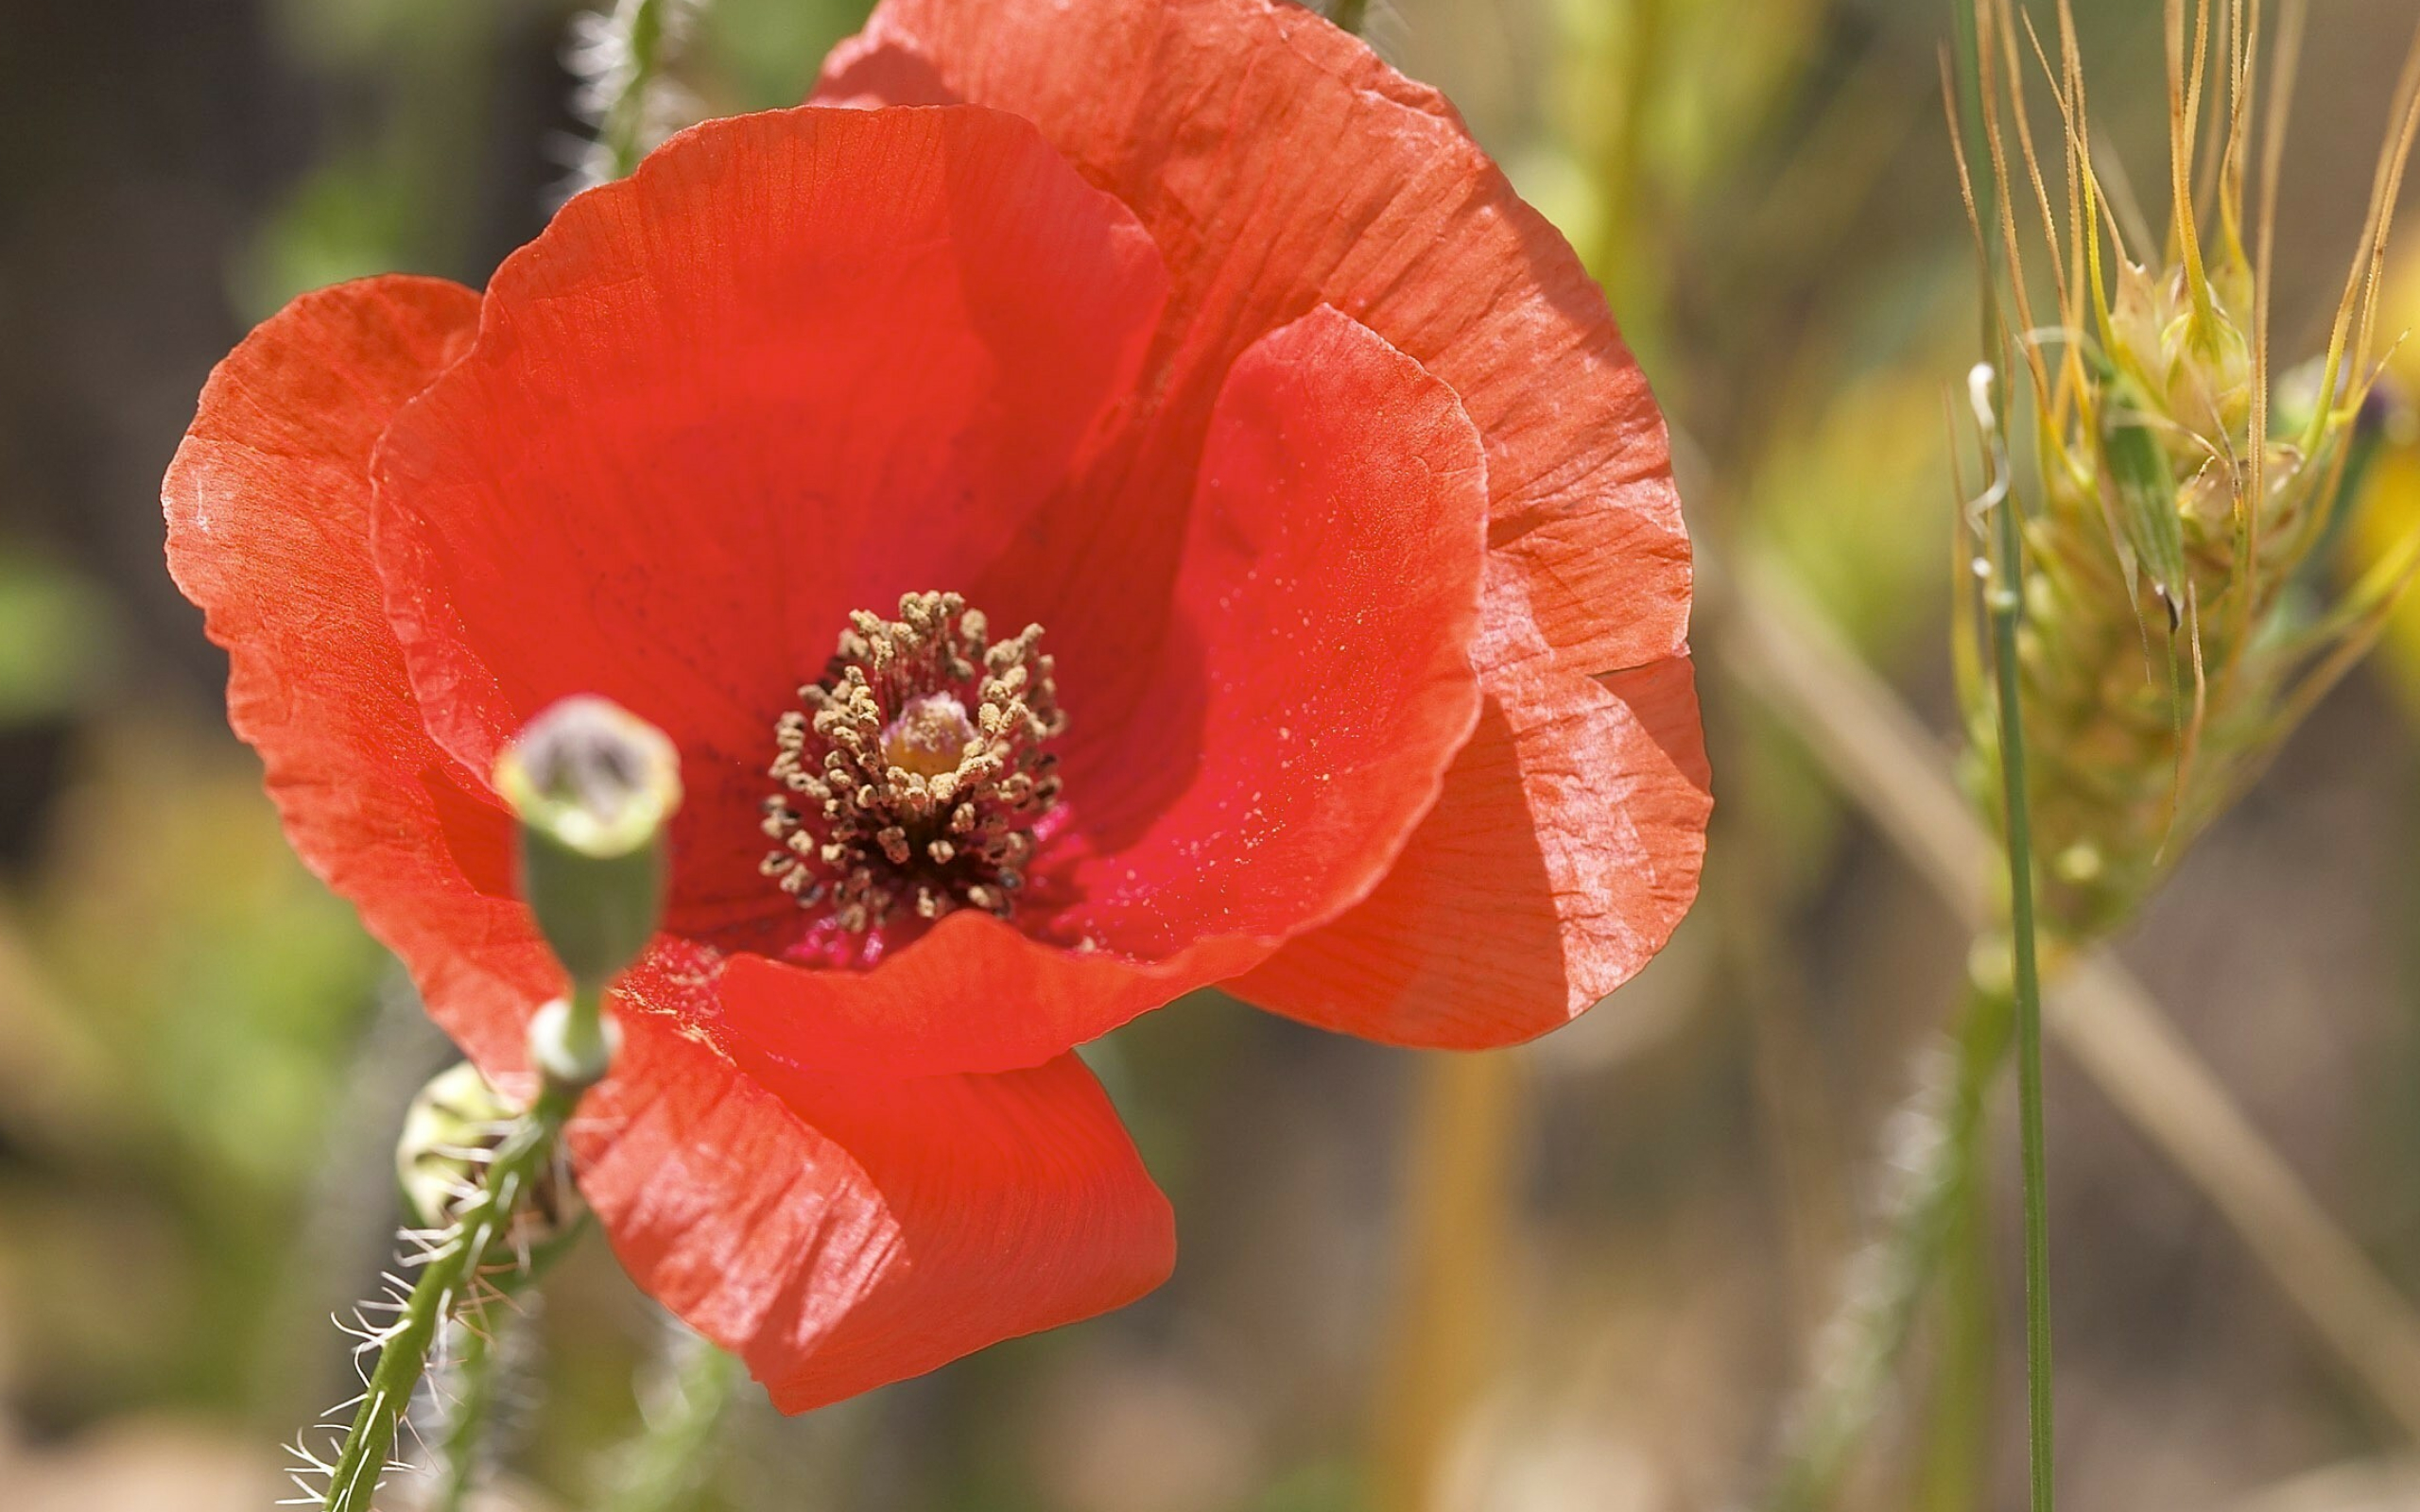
451	1270
446	1279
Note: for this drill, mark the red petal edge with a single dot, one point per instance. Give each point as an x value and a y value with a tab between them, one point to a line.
1499	925
842	1236
267	505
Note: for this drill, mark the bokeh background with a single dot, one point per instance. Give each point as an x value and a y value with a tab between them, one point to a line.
1586	1275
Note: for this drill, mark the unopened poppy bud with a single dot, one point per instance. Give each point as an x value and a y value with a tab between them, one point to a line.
593	786
452	1126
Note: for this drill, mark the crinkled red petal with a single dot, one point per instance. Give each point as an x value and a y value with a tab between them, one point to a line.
797	364
1495	928
1279	165
268	507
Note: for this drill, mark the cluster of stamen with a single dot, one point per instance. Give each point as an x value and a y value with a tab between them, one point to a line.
914	775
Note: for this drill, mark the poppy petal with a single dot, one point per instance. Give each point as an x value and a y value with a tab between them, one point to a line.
1357	187
1336	180
1488	932
797	364
1310	697
268	505
973	995
841	1235
1316	678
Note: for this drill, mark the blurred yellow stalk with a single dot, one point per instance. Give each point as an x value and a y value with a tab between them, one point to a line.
1448	1317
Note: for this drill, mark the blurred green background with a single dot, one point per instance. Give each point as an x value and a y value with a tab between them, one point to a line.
1580	1276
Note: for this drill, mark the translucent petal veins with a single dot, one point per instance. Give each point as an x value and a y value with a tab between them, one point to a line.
915	775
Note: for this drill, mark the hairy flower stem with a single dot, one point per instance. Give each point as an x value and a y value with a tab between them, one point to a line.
663	1470
1865	1339
1933	1146
475	1385
623	132
478	1373
452	1271
622	56
1952	1476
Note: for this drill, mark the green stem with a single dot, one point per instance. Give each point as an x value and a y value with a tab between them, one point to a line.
2006	607
2005	602
478	1240
1350	14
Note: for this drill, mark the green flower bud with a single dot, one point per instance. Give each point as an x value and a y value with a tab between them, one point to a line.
593	786
454	1123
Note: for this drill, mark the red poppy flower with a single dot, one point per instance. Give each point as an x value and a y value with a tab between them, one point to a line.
1183	329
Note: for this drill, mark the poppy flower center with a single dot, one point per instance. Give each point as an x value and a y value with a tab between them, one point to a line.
915	773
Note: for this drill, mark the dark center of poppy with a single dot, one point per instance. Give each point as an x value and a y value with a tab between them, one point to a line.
915	774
